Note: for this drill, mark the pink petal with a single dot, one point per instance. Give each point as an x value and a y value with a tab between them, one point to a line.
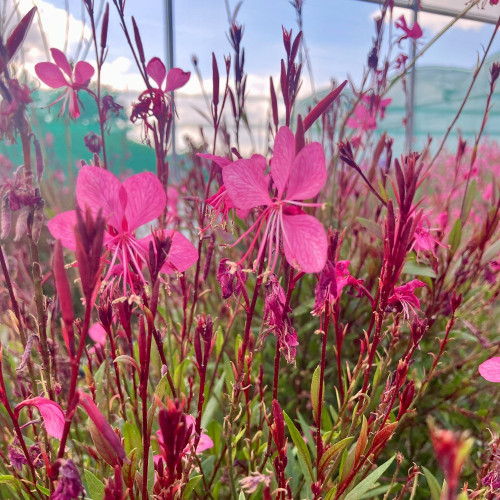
52	414
490	369
305	242
182	255
83	73
156	70
97	333
205	443
308	173
283	155
61	60
73	107
219	160
97	188
246	183
62	227
145	199
51	75
176	79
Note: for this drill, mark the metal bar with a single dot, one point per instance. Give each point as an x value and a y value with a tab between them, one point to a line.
442	11
410	118
169	41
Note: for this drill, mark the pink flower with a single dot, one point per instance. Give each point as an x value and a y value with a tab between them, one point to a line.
415	32
490	369
51	412
138	201
365	114
98	334
75	80
295	178
404	297
424	241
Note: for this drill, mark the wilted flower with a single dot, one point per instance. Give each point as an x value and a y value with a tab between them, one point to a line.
69	485
230	277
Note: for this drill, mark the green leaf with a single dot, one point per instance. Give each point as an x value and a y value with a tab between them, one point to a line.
151	470
332	452
490	253
360	489
94	485
213	403
412	267
190	486
372	227
469	198
132	437
315	389
128	360
455	236
241	496
300	444
433	484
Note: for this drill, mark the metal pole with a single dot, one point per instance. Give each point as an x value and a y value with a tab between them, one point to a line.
169	40
411	88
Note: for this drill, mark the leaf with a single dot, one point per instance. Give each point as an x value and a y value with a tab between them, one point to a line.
455	236
490	253
372	227
94	485
363	438
469	198
132	437
332	452
433	484
190	486
315	389
412	267
360	489
300	444
128	360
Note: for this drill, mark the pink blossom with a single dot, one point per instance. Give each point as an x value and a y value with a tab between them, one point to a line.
490	369
61	74
138	201
295	178
405	298
424	241
98	334
365	113
415	32
51	412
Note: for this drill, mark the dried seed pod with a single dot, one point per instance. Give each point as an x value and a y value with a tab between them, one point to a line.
22	223
5	217
37	225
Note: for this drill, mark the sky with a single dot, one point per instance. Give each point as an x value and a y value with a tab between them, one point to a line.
338	35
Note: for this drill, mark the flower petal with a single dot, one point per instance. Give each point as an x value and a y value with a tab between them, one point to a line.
62	61
305	242
176	79
246	183
83	73
52	414
308	173
182	255
97	188
73	107
97	333
51	75
156	70
490	369
283	155
145	199
62	227
218	160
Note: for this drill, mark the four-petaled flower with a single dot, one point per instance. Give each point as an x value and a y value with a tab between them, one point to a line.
404	297
415	32
138	201
76	79
295	178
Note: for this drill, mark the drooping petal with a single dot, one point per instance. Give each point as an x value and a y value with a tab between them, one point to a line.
490	369
51	75
62	61
83	73
176	78
156	70
219	160
145	199
51	412
283	155
246	183
97	188
62	227
308	173
305	242
97	333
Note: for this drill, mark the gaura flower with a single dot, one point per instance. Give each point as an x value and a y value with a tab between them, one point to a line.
76	79
295	178
415	32
404	297
490	369
138	201
51	412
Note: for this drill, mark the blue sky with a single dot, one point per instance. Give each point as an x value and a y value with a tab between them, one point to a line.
338	34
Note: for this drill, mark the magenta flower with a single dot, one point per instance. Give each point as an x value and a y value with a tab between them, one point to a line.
52	414
490	369
404	297
76	79
295	178
415	32
424	241
138	201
